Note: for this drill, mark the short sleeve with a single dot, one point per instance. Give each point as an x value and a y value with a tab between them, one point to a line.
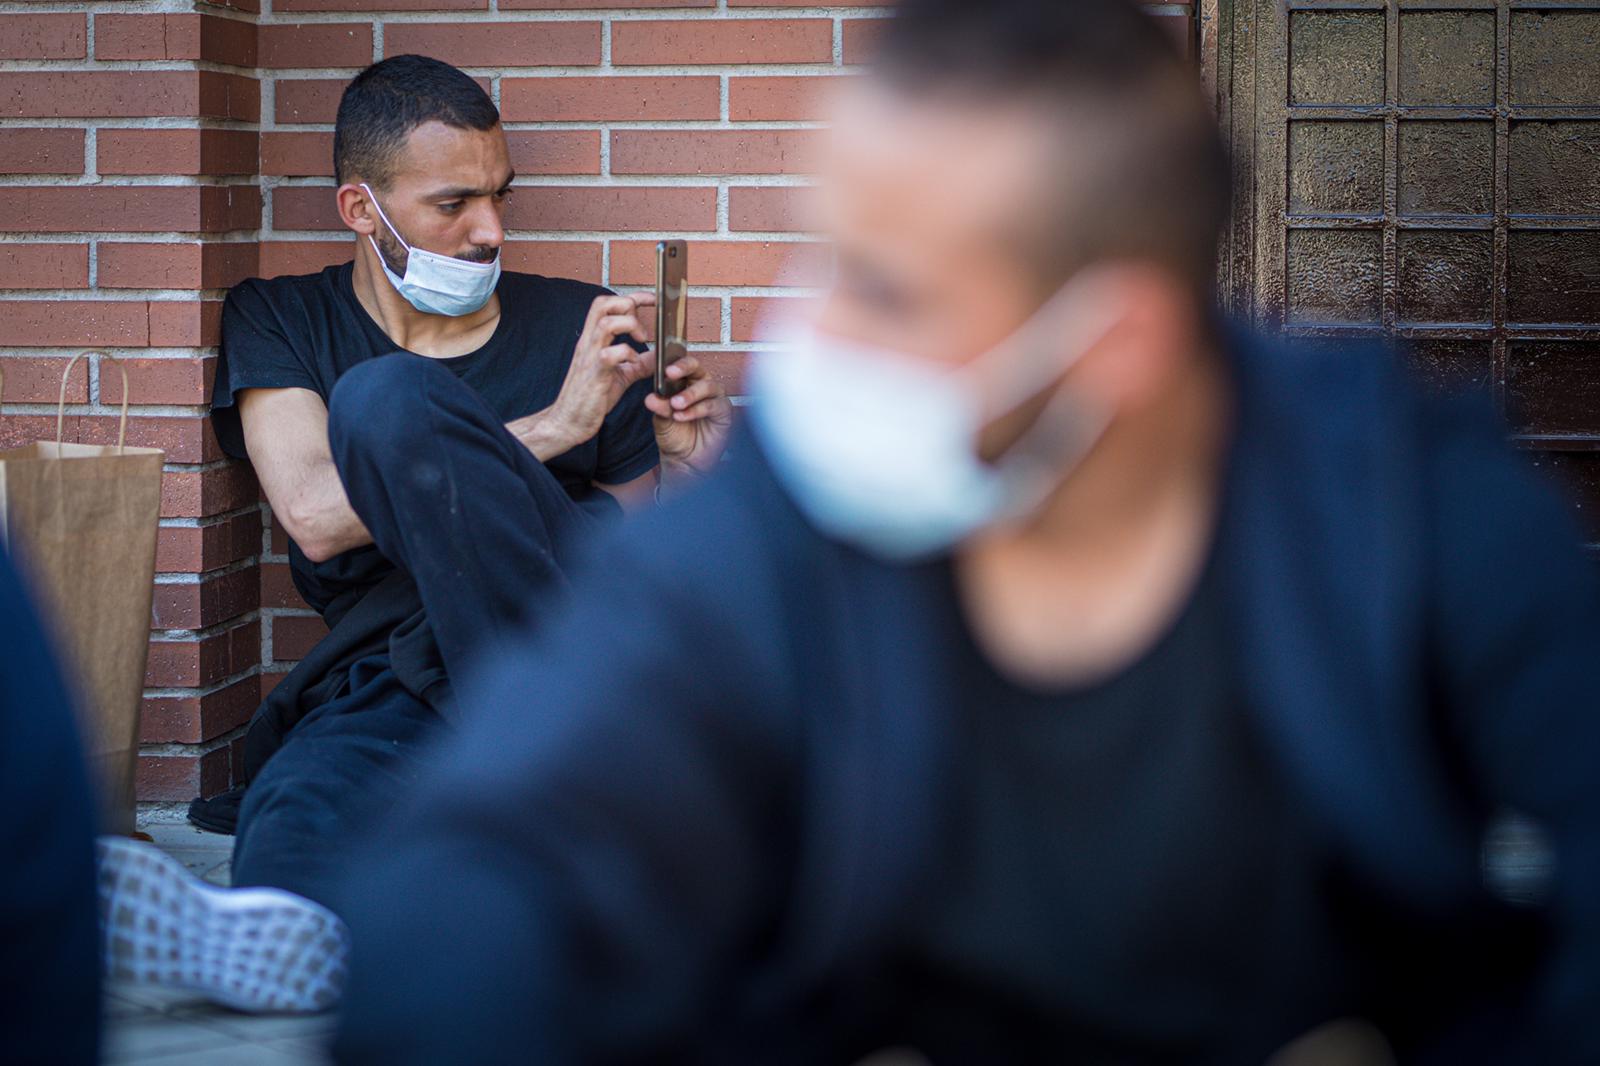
627	439
255	354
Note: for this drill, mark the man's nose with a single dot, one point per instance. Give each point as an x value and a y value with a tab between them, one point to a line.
487	232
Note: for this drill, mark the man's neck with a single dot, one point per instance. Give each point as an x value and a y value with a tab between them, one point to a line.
436	336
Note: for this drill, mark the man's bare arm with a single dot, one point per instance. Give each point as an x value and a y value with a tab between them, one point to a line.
286	434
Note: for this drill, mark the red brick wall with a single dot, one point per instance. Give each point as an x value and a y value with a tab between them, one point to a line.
150	160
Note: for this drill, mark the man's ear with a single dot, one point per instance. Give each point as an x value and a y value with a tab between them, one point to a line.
356	210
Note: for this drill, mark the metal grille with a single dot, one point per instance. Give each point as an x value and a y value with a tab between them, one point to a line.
1428	170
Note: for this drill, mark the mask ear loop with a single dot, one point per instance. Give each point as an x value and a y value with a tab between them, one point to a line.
1075	303
379	208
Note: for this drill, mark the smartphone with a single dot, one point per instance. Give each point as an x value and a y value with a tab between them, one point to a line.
672	309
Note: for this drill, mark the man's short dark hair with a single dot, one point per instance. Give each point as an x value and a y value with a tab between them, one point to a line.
385	102
1139	162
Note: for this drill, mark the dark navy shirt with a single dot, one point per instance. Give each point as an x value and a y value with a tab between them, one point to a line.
305	331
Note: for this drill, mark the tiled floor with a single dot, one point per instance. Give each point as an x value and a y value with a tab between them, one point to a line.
157	1027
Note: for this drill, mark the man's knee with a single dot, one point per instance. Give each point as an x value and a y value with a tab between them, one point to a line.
377	406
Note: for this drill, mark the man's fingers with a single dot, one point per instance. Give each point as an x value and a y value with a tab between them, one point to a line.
701	389
682	367
612	326
617	354
706	408
608	305
643	298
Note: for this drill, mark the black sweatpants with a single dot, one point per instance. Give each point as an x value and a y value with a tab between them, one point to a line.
482	527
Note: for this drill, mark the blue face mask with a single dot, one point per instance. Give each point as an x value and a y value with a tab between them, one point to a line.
438	284
891	464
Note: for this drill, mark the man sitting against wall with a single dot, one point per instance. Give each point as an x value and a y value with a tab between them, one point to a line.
437	437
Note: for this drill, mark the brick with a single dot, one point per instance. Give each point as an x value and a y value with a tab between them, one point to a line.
38	380
277	587
128	94
229	96
297	154
568	98
43	266
225	264
203	661
175	36
166	778
51	151
554	151
98	94
380	5
665	41
196	719
795	98
307	99
74	323
44	36
129	208
589	5
616	207
270	679
299	207
212	600
328	44
856	39
497	44
280	540
728	262
704	320
555	259
208	152
294	635
728	369
174	265
302	257
185	438
161	381
772	208
713	151
19	430
142	265
185	323
757	318
194	549
200	494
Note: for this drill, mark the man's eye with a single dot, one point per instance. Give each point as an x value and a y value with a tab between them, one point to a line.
450	208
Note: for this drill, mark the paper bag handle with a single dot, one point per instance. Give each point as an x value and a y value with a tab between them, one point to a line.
61	404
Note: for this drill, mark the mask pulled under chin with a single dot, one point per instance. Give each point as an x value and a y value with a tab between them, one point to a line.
438	284
879	449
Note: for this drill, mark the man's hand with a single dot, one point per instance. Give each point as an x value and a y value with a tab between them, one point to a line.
692	426
603	365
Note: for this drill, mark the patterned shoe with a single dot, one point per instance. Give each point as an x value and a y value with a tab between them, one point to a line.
253	949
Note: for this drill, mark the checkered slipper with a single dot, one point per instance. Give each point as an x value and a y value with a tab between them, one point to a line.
253	949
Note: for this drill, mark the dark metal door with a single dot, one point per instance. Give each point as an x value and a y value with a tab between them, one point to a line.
1429	170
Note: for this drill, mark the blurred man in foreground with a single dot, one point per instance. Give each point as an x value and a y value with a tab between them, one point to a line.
49	943
1101	686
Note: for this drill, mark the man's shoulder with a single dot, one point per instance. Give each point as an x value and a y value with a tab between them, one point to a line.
286	290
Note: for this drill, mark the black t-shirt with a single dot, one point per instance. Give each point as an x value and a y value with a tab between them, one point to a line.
307	330
1123	877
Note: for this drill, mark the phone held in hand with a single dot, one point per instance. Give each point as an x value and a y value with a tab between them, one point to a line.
672	306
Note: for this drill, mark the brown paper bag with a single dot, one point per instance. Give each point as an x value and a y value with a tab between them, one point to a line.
81	520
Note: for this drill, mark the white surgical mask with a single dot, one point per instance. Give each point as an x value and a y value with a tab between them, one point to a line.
438	284
879	449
